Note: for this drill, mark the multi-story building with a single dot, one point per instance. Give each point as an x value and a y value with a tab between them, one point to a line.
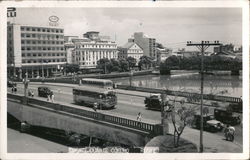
163	54
69	47
147	44
92	48
130	49
38	51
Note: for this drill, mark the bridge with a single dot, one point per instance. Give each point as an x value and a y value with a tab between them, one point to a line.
69	117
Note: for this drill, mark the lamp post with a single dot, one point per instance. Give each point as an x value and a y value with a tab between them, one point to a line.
26	83
130	78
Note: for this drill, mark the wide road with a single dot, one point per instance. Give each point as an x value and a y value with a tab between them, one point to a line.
128	105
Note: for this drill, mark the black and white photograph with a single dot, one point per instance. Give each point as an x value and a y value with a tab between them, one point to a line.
143	80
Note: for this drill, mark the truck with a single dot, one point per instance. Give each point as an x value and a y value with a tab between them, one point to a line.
227	116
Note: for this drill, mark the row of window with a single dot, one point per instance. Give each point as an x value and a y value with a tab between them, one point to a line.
44	61
134	51
41	36
40	42
43	48
95	46
36	29
42	54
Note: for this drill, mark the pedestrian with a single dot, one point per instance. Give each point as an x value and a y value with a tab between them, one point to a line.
229	131
48	97
12	89
95	106
52	97
32	94
15	89
138	118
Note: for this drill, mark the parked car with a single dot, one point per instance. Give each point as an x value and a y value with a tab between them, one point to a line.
153	102
11	84
43	91
209	123
226	115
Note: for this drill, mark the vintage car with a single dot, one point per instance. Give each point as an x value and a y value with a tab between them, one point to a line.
44	91
226	116
209	123
153	102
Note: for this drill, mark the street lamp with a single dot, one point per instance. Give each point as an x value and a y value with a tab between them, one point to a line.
26	83
130	77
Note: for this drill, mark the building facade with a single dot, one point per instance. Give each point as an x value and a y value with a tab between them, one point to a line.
163	54
69	48
92	48
147	44
130	49
35	50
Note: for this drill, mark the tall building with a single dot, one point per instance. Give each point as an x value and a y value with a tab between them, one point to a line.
69	47
38	51
147	44
92	48
130	49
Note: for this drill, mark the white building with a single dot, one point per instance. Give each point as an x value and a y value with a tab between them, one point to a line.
130	49
147	44
69	47
36	50
92	48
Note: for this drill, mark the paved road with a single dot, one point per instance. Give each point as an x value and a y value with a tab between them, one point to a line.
127	105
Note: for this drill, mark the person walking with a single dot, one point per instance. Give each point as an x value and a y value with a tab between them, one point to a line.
138	118
52	96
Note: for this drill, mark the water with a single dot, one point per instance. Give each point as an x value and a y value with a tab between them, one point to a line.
226	85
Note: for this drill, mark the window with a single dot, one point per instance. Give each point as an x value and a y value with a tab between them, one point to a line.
23	48
28	42
34	42
23	55
28	48
22	41
57	31
22	35
23	61
39	48
22	28
43	30
54	60
34	54
57	54
33	29
38	29
27	29
33	35
39	54
28	55
28	35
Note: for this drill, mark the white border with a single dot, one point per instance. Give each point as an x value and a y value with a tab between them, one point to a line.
242	4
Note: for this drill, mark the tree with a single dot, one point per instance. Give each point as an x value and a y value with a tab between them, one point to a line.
104	64
145	61
71	68
131	62
124	65
180	118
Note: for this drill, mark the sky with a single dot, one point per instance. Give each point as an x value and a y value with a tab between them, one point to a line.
170	26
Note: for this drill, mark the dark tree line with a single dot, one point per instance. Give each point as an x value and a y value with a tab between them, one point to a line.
194	63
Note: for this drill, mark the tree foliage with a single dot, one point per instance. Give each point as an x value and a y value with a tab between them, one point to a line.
194	63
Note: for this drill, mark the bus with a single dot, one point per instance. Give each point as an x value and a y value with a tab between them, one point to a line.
100	83
105	99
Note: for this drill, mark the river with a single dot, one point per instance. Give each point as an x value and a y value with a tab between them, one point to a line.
226	85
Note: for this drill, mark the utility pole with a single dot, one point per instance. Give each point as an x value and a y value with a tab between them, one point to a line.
202	47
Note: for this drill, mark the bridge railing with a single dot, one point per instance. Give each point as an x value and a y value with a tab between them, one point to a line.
182	94
151	128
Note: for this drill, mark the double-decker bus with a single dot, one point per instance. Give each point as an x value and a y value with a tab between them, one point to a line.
100	83
105	99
